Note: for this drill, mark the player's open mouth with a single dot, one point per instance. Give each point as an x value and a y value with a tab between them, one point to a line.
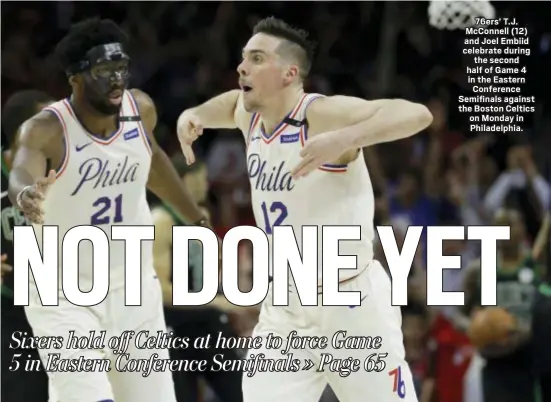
115	97
246	88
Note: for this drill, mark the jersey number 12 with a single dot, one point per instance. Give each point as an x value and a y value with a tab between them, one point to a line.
105	214
279	210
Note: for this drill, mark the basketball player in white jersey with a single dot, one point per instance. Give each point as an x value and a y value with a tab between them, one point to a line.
100	143
306	168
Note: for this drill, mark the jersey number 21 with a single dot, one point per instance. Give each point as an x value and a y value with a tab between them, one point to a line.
109	210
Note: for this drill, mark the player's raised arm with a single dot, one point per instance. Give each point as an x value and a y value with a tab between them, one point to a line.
28	184
217	112
344	124
164	181
363	123
222	111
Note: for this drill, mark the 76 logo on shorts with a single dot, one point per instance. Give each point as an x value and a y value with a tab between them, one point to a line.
399	385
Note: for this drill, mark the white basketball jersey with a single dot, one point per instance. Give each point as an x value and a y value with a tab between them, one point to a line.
101	182
334	195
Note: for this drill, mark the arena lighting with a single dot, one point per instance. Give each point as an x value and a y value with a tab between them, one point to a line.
285	258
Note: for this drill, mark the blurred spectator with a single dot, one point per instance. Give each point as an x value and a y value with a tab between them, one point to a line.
507	373
450	357
521	186
415	321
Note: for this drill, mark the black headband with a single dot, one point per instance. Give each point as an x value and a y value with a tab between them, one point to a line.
99	54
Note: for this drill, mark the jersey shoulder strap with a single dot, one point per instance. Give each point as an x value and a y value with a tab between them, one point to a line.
64	113
296	118
299	119
129	109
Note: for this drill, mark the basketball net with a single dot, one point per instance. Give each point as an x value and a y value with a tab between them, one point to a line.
449	14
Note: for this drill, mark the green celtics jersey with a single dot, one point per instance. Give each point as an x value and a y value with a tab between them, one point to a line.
516	289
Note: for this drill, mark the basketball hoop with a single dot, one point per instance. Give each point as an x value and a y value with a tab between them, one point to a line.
451	15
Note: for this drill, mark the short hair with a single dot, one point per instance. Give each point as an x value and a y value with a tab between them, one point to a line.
85	35
20	107
296	43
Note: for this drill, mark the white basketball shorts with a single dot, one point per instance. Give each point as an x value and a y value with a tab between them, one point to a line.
113	317
384	375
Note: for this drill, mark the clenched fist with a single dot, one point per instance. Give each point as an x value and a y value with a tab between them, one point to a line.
31	198
189	129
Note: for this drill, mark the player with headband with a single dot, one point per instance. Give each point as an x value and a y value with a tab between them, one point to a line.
103	155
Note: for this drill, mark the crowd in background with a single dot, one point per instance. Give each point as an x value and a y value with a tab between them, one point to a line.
185	52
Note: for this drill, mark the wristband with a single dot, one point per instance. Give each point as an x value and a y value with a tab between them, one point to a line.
20	196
